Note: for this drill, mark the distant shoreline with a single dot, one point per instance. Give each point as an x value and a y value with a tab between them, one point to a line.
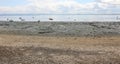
57	14
66	21
61	17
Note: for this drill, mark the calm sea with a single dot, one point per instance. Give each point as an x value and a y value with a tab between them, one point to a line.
60	17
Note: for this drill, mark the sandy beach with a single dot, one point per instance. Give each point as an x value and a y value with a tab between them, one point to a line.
59	43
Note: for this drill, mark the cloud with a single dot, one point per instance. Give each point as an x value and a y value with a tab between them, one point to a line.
107	6
64	7
57	6
115	2
49	6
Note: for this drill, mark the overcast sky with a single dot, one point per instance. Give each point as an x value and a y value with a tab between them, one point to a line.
60	6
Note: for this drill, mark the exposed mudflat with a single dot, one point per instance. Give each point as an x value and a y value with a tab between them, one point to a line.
59	43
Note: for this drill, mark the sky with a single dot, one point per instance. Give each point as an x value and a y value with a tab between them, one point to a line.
60	6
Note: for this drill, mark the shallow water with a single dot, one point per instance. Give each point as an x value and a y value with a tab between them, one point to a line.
59	17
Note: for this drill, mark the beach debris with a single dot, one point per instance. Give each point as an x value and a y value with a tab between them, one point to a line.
21	19
38	21
50	18
7	19
11	20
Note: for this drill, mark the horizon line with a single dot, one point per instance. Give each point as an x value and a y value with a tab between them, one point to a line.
53	14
